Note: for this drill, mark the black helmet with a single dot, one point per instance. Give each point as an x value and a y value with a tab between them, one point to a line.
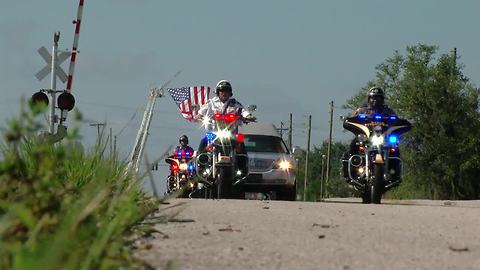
376	97
184	139
375	92
223	85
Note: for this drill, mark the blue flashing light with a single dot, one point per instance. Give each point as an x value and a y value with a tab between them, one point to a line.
179	153
393	139
392	117
191	168
362	116
187	153
377	117
210	136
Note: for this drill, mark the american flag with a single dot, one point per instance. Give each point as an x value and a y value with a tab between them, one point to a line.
186	97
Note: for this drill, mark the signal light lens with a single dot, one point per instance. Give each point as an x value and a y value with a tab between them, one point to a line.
210	136
175	168
40	97
230	117
240	137
393	139
66	101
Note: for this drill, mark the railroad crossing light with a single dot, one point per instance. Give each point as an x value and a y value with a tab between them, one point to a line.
40	97
66	101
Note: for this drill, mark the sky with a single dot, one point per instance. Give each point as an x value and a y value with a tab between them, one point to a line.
284	56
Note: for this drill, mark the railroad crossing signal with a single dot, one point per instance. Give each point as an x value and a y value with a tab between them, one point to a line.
61	57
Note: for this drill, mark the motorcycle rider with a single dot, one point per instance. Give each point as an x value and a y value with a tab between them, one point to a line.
182	151
184	147
224	103
376	105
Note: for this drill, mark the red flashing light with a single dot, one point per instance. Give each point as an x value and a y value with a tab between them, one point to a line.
217	116
240	137
230	117
174	168
209	148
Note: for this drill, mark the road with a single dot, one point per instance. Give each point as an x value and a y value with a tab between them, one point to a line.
234	234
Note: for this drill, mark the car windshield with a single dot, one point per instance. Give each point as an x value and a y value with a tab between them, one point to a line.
263	143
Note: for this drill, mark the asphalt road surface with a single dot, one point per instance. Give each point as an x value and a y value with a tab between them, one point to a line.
234	234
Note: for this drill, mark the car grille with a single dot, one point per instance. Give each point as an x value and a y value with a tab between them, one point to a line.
260	164
254	178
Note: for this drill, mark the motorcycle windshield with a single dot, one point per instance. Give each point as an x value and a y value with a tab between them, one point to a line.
382	124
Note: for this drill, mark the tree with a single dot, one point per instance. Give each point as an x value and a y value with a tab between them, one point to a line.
441	152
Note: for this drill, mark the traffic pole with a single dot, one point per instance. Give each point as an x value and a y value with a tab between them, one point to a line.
290	132
329	151
53	82
306	158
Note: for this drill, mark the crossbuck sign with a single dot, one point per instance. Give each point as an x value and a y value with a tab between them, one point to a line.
61	57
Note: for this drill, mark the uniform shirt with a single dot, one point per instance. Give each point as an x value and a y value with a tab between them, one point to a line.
215	105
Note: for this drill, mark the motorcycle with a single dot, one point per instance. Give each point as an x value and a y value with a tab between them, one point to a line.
182	170
218	166
377	166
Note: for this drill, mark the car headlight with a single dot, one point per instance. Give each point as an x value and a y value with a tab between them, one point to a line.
377	140
282	164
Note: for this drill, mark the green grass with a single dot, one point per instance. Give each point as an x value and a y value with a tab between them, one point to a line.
63	208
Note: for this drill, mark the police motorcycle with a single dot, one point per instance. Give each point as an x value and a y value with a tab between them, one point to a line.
217	165
182	171
376	166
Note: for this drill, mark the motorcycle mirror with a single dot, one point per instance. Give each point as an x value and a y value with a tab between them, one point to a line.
342	117
252	107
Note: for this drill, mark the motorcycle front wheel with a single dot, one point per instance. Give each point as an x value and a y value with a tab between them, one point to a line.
376	186
224	182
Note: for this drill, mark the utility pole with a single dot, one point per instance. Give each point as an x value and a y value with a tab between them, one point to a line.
306	158
115	144
322	178
290	131
454	57
110	140
329	149
281	129
98	125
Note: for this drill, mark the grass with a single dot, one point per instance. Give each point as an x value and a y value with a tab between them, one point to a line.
63	208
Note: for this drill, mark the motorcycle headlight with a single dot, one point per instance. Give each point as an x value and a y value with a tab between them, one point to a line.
377	140
224	134
183	166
